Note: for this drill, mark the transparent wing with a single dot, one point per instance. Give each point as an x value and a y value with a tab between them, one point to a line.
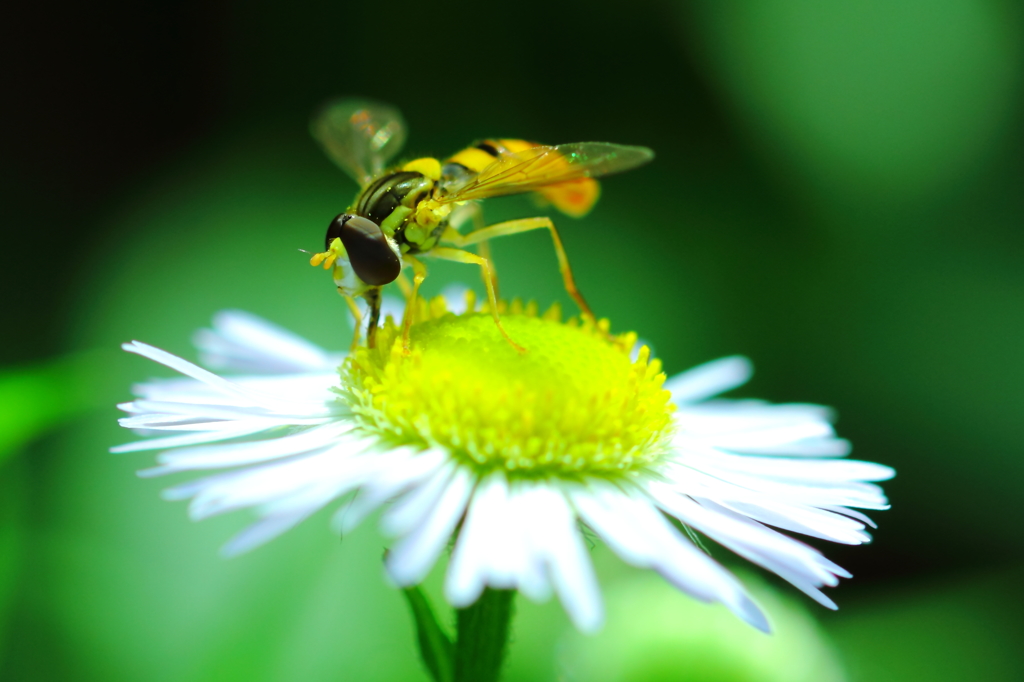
359	135
542	166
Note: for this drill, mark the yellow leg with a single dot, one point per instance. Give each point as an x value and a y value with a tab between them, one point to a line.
459	256
483	249
403	284
354	309
525	225
472	213
419	274
469	212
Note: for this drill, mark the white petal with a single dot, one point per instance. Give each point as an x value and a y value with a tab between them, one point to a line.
825	446
812	521
774	435
852	513
308	408
243	342
408	512
709	379
162	411
783	511
211	420
260	533
791	469
556	537
715	416
492	549
532	524
160	422
410	559
700	475
396	471
803	565
190	439
638	533
298	387
236	454
286	514
482	534
264	484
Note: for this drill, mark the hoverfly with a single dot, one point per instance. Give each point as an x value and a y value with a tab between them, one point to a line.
418	208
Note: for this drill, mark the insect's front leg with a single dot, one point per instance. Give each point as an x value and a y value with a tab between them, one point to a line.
372	297
419	274
353	308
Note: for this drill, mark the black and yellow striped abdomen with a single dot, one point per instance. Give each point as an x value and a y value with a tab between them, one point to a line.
474	159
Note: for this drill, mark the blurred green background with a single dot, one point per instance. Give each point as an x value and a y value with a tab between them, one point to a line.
837	195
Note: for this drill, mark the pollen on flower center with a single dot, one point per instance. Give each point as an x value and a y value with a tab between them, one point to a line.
574	403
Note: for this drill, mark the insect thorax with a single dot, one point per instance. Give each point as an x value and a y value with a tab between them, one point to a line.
400	202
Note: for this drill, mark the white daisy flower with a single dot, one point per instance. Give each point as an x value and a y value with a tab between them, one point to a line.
511	453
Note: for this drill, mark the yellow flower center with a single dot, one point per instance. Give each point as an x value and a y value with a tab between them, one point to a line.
575	403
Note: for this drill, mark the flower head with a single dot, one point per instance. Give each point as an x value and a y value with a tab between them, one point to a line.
575	405
510	453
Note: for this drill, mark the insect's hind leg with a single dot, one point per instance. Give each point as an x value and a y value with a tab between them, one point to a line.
460	256
483	249
526	225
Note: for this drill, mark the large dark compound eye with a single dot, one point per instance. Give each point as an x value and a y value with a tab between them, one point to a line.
369	252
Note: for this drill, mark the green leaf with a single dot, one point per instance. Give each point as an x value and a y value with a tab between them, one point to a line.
435	646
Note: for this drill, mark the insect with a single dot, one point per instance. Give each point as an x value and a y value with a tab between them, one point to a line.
418	208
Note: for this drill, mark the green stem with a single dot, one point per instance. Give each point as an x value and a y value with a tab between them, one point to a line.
483	631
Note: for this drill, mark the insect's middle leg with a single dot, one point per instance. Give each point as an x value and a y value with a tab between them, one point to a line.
525	225
472	212
459	256
354	309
